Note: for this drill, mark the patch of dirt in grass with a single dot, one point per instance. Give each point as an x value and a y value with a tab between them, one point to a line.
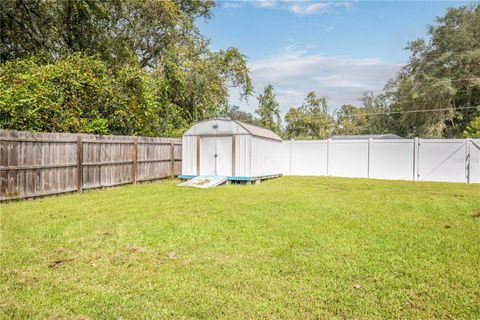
447	226
136	249
417	306
56	252
22	277
59	258
95	260
172	255
14	272
117	259
187	262
476	215
59	262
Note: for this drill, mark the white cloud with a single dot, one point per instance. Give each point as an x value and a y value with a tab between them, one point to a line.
299	7
341	79
265	3
329	28
231	4
345	4
310	8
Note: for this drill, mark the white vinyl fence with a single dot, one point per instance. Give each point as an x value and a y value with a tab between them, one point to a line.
450	160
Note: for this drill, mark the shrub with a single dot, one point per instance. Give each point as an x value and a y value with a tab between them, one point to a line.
78	94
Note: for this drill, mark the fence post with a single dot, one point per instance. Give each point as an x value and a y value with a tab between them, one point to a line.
234	154
172	159
416	163
134	159
369	150
467	160
79	164
414	160
328	156
290	156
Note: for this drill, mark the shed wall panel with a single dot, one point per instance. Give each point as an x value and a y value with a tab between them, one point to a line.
189	154
242	155
266	157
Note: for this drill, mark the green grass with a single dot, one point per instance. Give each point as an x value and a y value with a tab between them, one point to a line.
287	248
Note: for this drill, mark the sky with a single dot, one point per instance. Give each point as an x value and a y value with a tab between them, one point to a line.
337	48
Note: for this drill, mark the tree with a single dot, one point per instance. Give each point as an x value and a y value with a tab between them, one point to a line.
377	112
199	85
268	110
157	39
82	94
473	128
309	121
350	120
118	31
235	113
443	72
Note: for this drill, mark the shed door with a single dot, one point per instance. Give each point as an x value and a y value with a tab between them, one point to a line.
216	156
224	156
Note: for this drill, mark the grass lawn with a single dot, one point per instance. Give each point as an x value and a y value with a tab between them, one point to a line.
287	248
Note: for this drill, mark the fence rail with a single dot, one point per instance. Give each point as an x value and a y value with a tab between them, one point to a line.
39	164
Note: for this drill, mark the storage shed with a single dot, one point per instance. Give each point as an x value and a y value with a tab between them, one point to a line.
239	151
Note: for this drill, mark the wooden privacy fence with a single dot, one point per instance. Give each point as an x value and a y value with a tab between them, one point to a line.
39	164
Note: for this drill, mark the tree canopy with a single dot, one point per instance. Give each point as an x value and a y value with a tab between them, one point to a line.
178	78
268	110
235	113
119	31
309	121
436	94
443	72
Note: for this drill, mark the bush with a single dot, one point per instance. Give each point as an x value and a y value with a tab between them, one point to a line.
80	94
473	128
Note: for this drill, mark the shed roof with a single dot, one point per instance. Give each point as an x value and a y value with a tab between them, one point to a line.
367	136
227	126
259	131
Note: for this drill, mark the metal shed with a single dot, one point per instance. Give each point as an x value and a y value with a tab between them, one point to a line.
239	151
